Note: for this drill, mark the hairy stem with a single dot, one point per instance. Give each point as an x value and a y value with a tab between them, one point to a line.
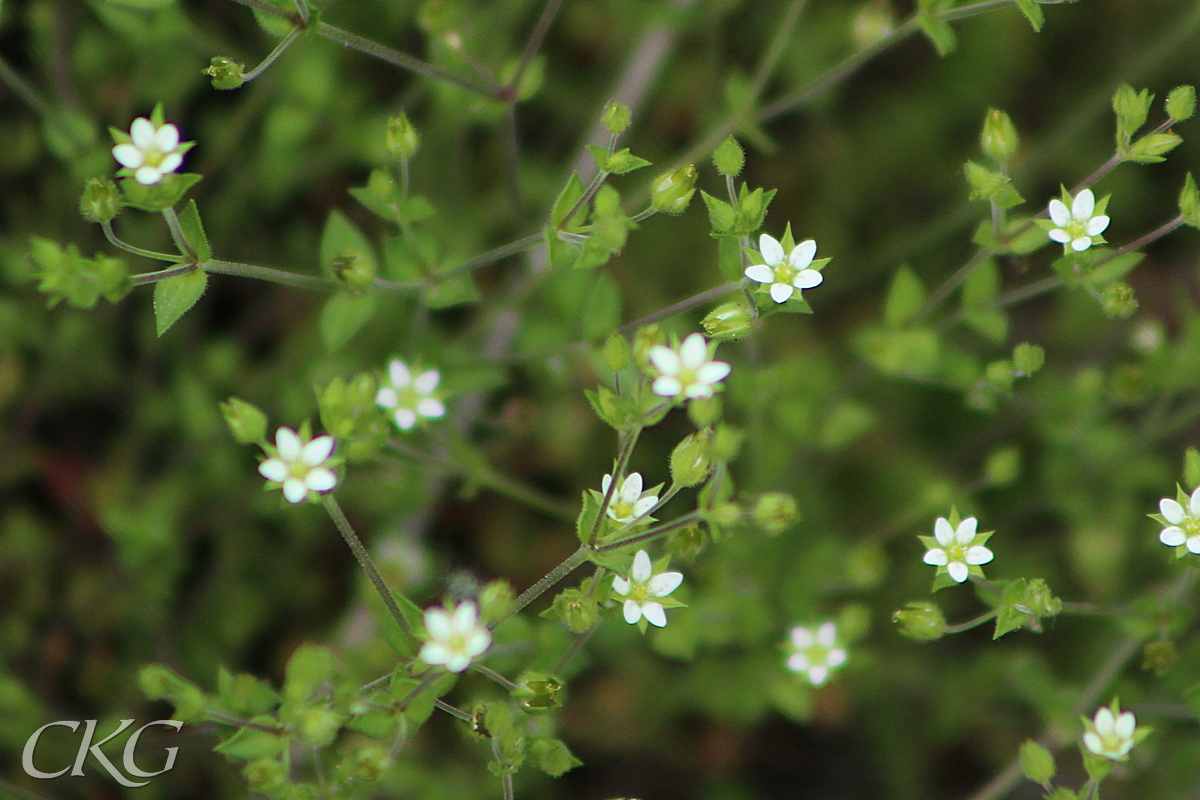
365	561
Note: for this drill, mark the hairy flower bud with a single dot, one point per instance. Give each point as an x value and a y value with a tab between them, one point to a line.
689	459
998	139
775	511
922	621
100	201
402	138
671	192
616	117
728	321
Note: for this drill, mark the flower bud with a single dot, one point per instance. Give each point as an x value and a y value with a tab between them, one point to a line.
729	157
538	692
1181	103
998	139
872	22
616	352
728	321
616	117
264	773
353	272
671	192
1119	301
726	443
646	337
686	543
495	601
689	459
725	515
402	138
1040	601
225	73
775	511
922	621
704	411
245	421
100	201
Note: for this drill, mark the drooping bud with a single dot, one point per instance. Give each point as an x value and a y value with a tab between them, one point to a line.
671	192
616	352
225	73
922	621
728	321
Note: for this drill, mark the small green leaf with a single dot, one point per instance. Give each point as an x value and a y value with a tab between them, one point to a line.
173	298
1037	763
904	298
1011	616
341	241
193	231
1028	358
247	744
247	423
720	213
1033	13
343	316
939	33
551	756
1189	202
729	258
567	199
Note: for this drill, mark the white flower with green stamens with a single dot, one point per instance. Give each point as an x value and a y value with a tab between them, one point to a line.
815	653
645	592
686	372
410	398
787	274
299	467
628	502
1182	522
1078	227
1111	733
957	550
151	152
455	637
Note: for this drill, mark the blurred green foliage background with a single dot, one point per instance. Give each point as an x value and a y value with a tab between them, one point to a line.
134	529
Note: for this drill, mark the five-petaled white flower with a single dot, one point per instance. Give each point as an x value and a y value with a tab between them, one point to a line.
786	273
151	153
643	589
686	372
1110	733
628	502
299	467
816	654
1185	522
410	398
956	550
455	637
1077	228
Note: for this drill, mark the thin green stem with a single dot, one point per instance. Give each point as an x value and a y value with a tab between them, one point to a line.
177	235
492	256
627	440
1142	241
573	650
268	274
427	679
49	115
283	45
552	577
452	710
302	10
972	623
682	306
658	530
376	684
137	251
506	778
237	722
365	561
534	44
495	676
162	275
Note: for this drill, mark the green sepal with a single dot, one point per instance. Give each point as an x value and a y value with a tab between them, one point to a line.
159	682
1033	13
64	274
244	695
1189	202
246	422
164	194
939	33
173	297
247	744
1151	148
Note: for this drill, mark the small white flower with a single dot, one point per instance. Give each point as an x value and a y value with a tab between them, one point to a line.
1077	227
642	590
410	398
1185	522
686	372
152	153
299	467
816	654
786	274
628	502
956	550
1110	733
455	637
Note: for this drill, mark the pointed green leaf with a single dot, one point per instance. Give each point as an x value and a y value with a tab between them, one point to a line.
343	316
342	240
904	298
193	231
1033	13
939	33
174	296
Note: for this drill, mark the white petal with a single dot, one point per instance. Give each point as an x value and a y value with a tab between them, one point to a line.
604	483
643	505
434	653
965	532
1171	510
405	418
1193	544
317	450
827	634
633	612
387	397
1170	536
943	532
693	351
936	557
802	254
978	555
759	272
1060	236
713	372
1092	742
802	637
1125	725
1083	205
477	642
631	488
620	585
275	470
641	567
667	386
818	674
426	382
437	622
1104	721
1096	225
665	583
294	490
1059	213
654	614
1081	244
166	138
399	373
836	657
781	292
458	662
128	155
170	163
1194	503
771	249
798	662
697	390
807	279
320	480
142	133
958	571
429	408
665	359
464	617
287	443
148	176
